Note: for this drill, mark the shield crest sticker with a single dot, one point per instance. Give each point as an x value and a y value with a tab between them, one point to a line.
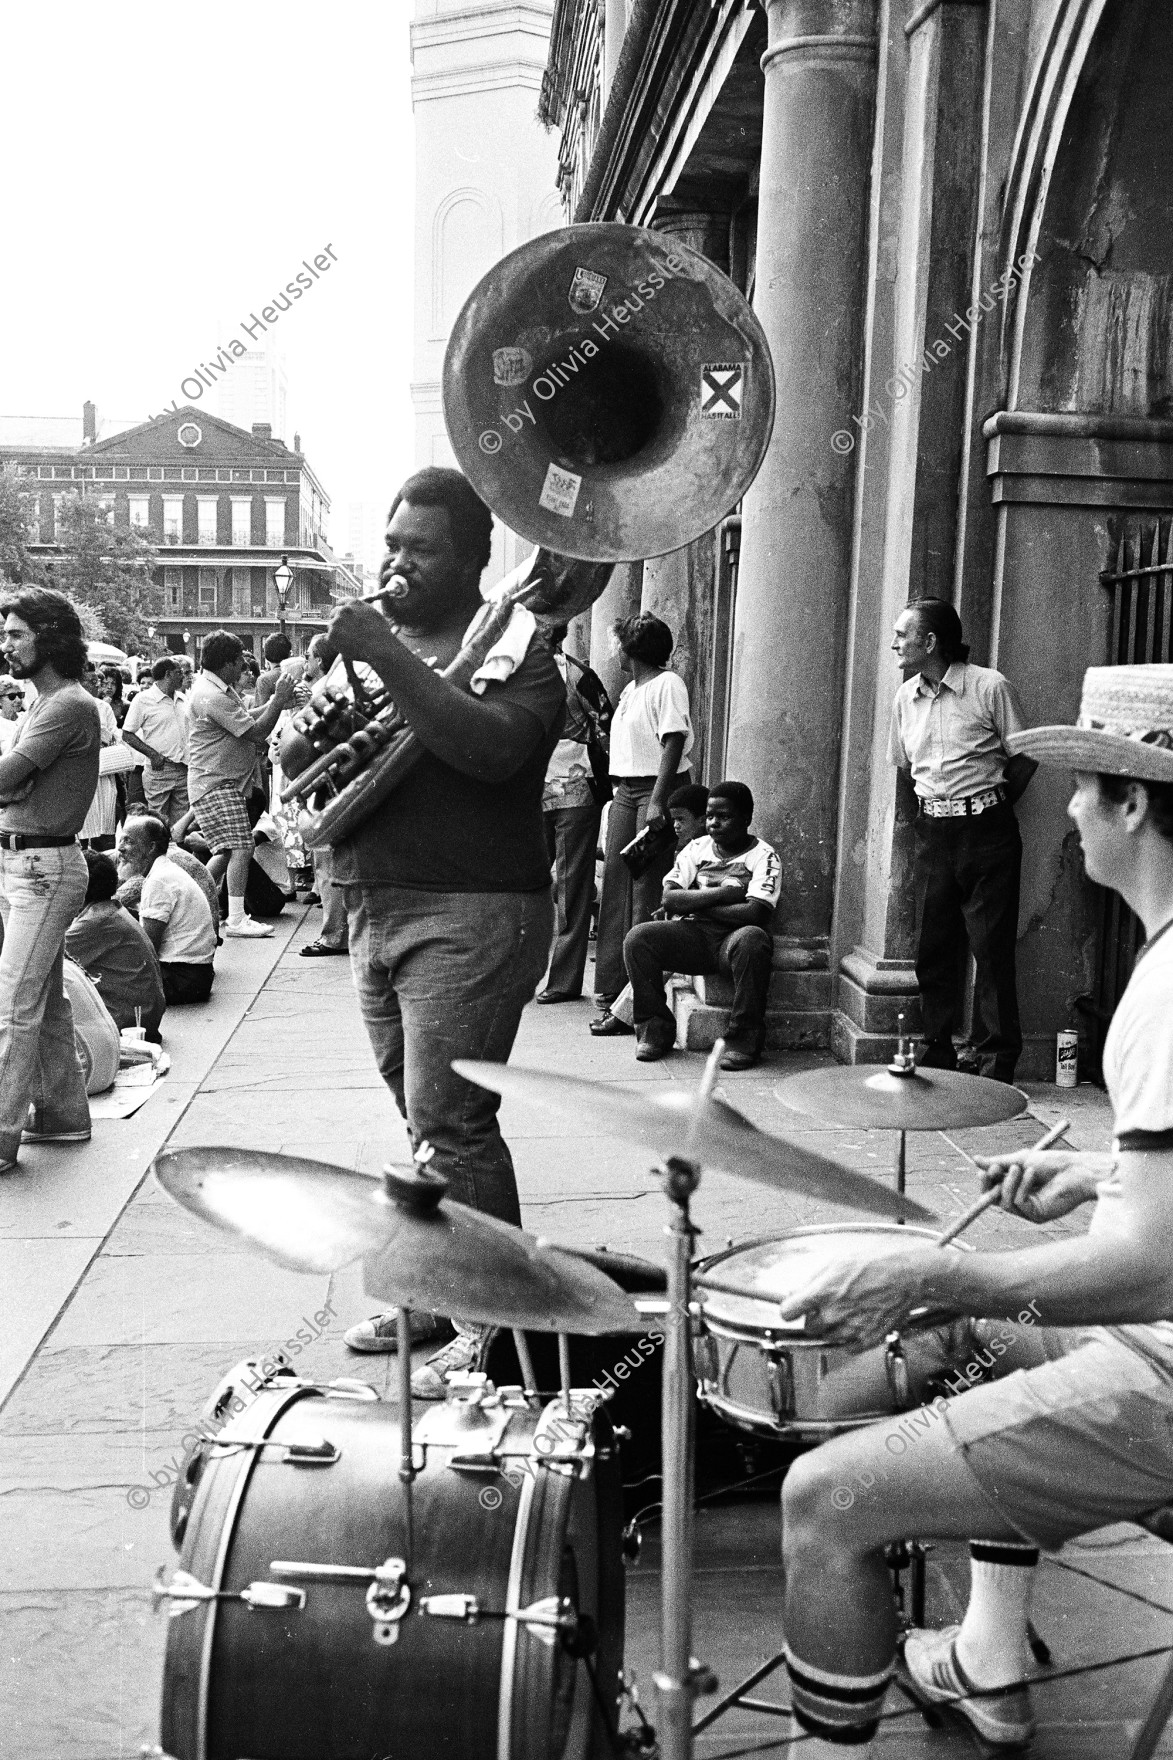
586	290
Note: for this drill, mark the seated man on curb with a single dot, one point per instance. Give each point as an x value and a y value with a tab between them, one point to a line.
114	951
686	809
718	900
172	910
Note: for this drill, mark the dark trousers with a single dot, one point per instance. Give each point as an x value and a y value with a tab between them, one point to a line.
745	955
627	901
186	983
572	837
966	877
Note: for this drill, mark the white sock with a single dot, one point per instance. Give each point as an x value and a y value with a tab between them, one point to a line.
992	1645
235	908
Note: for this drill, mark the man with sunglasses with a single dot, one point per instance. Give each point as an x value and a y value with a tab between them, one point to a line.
11	709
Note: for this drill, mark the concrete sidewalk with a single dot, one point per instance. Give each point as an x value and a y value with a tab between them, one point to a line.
153	1308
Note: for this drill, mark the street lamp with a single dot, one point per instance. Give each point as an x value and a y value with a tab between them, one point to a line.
283	580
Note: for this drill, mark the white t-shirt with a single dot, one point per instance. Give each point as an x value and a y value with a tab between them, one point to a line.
172	897
645	714
701	864
1138	1073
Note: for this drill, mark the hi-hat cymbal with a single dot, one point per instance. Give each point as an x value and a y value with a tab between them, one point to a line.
662	1120
422	1251
872	1098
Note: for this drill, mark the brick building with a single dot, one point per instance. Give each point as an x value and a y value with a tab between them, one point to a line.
220	506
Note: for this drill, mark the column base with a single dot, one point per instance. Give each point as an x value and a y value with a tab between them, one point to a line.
872	994
798	1009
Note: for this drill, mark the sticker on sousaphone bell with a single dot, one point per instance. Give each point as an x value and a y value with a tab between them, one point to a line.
586	290
560	491
511	366
722	386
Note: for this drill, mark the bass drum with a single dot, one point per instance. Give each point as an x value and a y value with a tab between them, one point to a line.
303	1626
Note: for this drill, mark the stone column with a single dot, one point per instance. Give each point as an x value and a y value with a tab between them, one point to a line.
924	404
614	22
621	599
793	590
680	587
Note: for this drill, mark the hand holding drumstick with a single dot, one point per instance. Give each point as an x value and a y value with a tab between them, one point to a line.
1032	1183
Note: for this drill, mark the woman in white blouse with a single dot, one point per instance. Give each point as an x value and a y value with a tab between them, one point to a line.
651	738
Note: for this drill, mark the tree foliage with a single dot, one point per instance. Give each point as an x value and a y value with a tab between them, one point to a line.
15	531
106	570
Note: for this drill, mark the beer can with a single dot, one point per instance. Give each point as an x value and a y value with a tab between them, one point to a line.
1067	1059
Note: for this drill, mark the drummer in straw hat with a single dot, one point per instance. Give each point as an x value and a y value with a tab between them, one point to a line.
1085	1437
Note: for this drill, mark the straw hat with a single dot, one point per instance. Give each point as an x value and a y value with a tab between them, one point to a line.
1125	726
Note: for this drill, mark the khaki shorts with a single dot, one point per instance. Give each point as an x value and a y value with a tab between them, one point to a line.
1077	1443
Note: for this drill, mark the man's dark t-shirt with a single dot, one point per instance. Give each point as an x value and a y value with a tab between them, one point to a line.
445	832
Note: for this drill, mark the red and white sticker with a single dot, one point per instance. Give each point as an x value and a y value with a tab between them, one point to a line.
721	390
559	491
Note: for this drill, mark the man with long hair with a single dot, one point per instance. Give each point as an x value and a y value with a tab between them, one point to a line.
47	781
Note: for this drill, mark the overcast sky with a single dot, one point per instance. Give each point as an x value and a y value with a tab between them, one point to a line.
167	169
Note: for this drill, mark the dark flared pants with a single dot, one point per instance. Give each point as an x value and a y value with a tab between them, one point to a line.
572	838
626	901
746	955
967	878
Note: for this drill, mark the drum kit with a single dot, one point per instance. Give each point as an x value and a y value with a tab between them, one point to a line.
359	1578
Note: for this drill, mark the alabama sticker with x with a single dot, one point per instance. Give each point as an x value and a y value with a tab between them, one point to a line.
721	389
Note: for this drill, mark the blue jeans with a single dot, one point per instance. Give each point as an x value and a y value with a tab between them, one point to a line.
41	891
441	975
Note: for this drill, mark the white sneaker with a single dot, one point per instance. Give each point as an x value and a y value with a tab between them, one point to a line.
246	927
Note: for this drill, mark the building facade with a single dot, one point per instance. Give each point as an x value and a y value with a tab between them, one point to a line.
220	507
485	182
952	218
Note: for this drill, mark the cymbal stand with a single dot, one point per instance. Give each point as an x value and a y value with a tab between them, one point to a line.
564	1372
521	1346
904	1065
407	1469
676	1682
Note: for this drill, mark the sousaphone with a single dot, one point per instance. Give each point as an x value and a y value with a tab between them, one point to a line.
609	394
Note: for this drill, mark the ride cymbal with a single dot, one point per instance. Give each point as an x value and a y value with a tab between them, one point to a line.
871	1097
423	1251
724	1140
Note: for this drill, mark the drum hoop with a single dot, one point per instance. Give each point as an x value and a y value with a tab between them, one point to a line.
521	1527
265	1422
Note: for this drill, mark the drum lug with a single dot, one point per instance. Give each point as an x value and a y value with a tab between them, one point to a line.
780	1379
896	1368
388	1599
293	1454
704	1356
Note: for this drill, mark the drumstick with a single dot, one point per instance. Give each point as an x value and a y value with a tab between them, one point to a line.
992	1196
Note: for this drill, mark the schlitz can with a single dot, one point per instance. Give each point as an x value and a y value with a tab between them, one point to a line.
1067	1059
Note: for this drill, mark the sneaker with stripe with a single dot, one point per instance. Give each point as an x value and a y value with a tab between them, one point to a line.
1001	1716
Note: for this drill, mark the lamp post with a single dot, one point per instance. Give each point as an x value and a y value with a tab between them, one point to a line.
283	580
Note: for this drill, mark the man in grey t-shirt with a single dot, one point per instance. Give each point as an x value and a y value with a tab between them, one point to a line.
47	781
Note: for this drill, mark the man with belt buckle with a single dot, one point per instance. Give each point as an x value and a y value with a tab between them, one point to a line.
950	724
47	781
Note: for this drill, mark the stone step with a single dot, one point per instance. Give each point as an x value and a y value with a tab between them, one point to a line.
789	990
699	1025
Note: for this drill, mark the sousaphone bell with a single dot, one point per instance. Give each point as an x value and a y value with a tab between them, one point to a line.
609	394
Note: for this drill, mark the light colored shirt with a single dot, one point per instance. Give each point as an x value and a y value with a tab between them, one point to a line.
8	733
99	821
953	738
159	721
644	716
172	897
569	770
220	746
61	735
700	864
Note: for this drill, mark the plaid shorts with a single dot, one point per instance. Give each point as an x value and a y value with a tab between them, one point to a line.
223	819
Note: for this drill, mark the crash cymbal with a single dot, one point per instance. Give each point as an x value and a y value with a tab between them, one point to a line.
661	1120
423	1251
872	1098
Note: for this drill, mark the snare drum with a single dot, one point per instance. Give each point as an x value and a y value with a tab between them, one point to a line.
303	1627
770	1376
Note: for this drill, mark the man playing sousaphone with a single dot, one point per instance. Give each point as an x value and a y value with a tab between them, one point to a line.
1084	1437
448	884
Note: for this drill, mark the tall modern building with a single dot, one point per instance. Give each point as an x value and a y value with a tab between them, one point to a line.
255	389
486	173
